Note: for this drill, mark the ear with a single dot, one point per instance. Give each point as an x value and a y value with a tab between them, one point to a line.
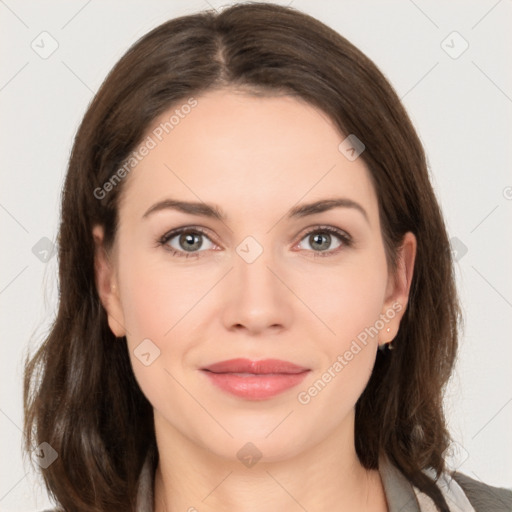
397	291
107	285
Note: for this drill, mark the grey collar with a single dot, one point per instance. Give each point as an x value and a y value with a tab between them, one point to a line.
400	494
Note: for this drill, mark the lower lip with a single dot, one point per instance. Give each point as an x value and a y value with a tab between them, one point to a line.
256	387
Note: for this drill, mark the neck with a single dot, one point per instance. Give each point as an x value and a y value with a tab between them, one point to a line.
326	477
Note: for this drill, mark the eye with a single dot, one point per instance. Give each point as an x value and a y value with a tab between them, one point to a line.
186	242
320	240
190	241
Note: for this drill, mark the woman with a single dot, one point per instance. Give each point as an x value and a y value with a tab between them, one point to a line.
257	304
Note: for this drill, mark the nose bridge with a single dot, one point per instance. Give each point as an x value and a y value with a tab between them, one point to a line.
255	257
257	298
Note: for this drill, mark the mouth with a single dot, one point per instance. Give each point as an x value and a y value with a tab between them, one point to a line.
255	380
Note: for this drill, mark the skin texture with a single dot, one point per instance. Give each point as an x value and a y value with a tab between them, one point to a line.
255	158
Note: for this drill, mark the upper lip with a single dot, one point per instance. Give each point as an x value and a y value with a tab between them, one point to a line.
264	366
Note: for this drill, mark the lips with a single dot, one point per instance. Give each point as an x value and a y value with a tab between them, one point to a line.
255	380
264	367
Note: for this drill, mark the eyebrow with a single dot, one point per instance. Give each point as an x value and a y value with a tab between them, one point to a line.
213	211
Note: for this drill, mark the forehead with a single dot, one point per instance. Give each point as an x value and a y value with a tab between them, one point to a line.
236	149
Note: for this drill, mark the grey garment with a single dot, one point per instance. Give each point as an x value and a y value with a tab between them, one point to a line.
483	497
401	497
400	494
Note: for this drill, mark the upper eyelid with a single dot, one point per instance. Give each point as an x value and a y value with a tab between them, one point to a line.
178	231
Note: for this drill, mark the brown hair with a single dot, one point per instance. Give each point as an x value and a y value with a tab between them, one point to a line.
80	393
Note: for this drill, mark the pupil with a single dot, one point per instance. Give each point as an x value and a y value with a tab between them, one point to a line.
318	237
190	241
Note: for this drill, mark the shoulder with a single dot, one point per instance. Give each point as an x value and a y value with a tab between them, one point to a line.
484	497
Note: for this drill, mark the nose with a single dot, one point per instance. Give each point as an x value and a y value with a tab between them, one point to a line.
257	297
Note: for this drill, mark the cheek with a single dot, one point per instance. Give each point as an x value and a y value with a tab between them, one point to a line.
348	298
155	298
154	302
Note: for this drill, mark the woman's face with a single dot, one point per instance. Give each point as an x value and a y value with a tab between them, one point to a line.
265	281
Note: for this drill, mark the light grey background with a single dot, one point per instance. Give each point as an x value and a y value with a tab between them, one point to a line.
460	106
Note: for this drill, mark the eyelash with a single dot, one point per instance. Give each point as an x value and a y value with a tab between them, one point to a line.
343	237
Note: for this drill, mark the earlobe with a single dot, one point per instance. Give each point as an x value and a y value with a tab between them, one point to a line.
106	284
